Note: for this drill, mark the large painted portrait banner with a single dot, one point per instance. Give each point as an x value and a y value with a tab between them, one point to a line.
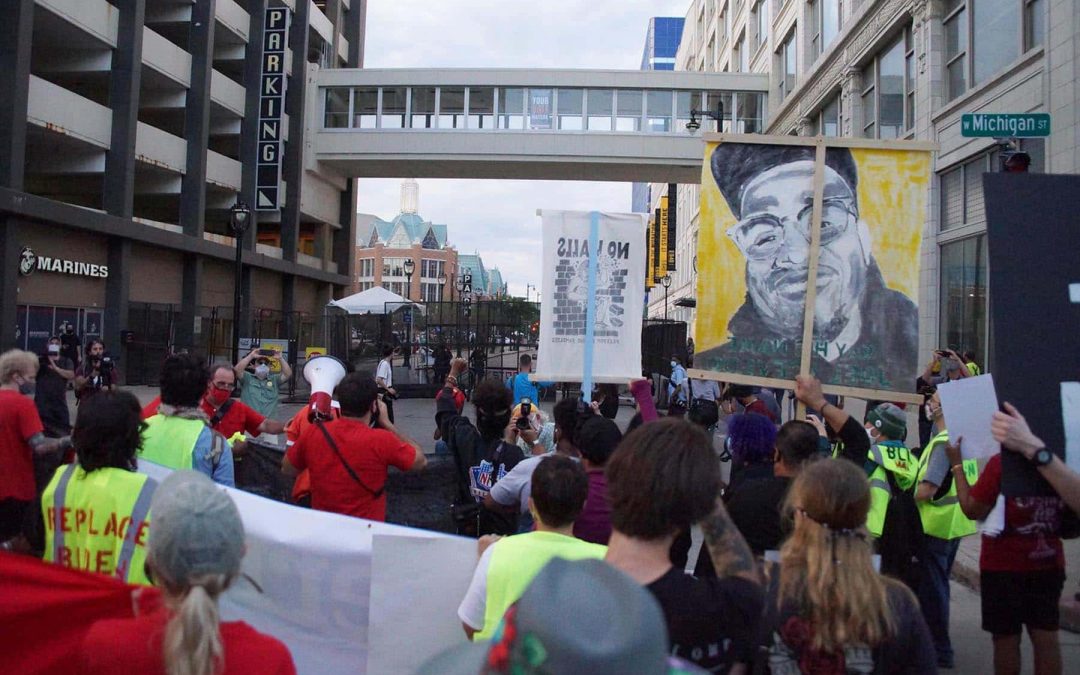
755	257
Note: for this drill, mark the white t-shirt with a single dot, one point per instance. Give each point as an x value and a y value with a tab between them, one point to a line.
474	604
706	389
385	372
516	486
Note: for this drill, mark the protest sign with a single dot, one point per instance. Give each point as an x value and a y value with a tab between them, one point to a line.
1033	239
314	570
808	259
590	325
968	405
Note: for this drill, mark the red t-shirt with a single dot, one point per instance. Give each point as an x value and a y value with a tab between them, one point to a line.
368	451
135	646
240	417
19	421
1030	541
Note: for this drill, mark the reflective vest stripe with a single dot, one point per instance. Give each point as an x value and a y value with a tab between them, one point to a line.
58	502
880	484
138	515
875	450
947	501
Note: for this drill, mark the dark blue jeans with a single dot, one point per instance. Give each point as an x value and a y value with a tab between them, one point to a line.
934	592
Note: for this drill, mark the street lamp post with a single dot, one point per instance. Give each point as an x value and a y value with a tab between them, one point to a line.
239	220
665	281
460	285
409	267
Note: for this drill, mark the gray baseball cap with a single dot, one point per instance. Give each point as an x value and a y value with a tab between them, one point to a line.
195	529
576	617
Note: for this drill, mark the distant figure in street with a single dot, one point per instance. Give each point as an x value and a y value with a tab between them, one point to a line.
261	388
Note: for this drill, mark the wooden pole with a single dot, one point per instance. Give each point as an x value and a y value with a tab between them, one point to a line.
812	267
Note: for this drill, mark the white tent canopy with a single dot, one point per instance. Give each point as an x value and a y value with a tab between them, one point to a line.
375	300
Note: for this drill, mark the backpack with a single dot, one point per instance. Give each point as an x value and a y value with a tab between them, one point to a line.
703	412
468	448
901	546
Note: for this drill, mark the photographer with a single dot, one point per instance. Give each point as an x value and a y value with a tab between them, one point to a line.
349	457
96	374
50	396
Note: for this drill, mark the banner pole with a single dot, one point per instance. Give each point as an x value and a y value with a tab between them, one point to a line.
812	271
590	306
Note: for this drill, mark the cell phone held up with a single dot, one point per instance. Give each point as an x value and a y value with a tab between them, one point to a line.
266	352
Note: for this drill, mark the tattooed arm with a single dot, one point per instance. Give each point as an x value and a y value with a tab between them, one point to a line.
730	555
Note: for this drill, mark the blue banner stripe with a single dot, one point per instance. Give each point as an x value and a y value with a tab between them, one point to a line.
590	306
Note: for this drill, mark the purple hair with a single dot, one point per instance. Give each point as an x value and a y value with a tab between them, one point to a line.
752	438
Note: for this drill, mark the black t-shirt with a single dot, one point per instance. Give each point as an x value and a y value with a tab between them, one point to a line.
69	347
911	650
50	397
711	622
756	506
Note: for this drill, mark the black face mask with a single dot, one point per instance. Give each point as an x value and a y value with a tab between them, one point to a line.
609	408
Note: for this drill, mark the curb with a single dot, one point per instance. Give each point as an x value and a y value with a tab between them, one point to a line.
968	575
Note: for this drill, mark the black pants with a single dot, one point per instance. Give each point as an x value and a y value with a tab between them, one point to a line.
389	408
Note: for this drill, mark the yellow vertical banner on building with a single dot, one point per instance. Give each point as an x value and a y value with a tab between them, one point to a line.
665	243
650	267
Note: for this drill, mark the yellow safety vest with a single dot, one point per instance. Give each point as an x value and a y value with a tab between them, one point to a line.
974	370
170	441
943	518
893	457
98	521
516	560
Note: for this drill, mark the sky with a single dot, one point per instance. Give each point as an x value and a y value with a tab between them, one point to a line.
498	218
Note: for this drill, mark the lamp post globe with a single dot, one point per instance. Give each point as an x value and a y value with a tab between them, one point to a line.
239	221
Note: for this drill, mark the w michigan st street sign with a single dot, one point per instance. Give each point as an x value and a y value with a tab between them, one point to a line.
1004	125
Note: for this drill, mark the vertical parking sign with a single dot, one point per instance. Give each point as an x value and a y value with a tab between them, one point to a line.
271	105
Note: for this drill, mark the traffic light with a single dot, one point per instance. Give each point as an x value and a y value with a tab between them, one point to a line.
1015	161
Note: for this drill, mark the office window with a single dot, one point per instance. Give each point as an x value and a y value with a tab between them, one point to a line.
423	108
982	37
600	102
740	55
539	110
888	91
825	26
430	268
829	118
685	101
511	108
961	186
962	322
452	108
751	113
394	113
658	110
759	22
787	60
569	102
1034	23
628	106
481	107
365	107
366	268
909	80
724	102
429	292
393	267
337	108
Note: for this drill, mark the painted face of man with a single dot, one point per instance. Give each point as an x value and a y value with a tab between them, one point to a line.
774	235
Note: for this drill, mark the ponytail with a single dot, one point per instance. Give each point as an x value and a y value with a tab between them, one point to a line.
193	637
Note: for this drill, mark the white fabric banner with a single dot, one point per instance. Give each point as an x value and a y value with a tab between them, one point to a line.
613	292
315	570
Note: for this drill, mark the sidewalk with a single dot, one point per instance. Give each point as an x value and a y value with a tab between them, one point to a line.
966	571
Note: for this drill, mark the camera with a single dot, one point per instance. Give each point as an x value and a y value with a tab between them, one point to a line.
523	420
266	352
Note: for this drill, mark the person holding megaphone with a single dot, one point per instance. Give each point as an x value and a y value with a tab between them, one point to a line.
348	458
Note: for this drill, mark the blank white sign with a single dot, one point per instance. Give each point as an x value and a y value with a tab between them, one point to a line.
969	405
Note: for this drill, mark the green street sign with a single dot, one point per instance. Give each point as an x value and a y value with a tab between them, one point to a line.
1004	125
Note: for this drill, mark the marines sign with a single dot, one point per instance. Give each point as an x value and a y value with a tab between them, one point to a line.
29	262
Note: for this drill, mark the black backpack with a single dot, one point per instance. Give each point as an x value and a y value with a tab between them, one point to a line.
901	546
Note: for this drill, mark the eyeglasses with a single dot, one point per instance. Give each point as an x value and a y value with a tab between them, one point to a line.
760	236
224	386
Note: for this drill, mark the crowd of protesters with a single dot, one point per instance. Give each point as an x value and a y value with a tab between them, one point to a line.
827	548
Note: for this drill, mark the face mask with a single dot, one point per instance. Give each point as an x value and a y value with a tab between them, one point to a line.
219	396
54	349
262	372
871	436
674	364
27	388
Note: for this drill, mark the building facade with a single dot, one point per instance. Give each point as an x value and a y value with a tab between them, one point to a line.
661	44
128	130
908	69
383	247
